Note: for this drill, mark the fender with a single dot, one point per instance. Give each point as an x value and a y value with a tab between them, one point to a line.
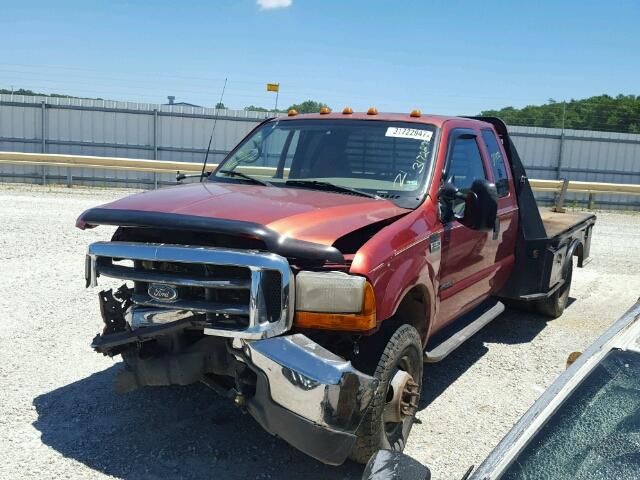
409	277
399	258
571	251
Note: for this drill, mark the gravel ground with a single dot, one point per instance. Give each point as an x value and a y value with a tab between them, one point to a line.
60	416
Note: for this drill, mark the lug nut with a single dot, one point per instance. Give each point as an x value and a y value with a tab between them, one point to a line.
240	400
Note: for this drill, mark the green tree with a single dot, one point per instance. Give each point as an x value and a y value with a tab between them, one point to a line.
308	106
253	108
601	112
220	106
23	91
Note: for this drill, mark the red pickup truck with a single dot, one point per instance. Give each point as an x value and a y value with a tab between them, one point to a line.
323	261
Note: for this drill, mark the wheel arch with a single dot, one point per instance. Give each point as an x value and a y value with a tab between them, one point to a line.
576	249
416	308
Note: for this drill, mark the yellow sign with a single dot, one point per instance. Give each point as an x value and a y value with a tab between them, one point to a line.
273	87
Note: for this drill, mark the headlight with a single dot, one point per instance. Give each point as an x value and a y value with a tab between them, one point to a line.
334	301
331	292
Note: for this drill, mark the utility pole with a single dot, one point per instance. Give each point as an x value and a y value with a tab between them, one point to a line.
559	169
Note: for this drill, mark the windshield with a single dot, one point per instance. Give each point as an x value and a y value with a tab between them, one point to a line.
595	434
375	158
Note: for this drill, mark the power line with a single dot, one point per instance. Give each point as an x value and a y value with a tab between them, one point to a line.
258	84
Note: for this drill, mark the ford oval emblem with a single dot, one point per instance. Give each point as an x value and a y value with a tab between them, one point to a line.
162	293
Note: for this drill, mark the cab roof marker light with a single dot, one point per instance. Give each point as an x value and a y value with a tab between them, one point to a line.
325	110
372	111
292	112
347	111
415	113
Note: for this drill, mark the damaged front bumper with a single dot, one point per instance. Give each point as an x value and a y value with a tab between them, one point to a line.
304	394
223	322
308	396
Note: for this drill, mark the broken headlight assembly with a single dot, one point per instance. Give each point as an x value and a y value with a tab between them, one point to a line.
334	301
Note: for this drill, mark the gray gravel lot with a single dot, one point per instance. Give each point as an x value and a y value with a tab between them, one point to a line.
60	416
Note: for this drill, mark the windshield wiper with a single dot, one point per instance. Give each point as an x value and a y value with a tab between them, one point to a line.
330	187
233	173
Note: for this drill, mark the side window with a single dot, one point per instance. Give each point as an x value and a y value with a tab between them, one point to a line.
465	166
497	162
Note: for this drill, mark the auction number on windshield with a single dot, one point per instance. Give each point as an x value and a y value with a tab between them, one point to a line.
413	133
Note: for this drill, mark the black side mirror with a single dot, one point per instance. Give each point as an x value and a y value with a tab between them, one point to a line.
481	206
390	465
449	192
447	195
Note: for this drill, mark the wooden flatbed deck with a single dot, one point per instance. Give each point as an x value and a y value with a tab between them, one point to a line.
556	223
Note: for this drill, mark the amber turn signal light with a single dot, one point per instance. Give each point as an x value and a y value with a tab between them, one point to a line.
372	111
347	110
325	110
292	112
415	113
350	322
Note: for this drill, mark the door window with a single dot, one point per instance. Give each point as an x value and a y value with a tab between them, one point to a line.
497	162
465	166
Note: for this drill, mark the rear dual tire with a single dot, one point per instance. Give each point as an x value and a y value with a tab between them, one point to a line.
554	305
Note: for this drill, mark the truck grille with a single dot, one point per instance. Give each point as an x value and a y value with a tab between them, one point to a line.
240	293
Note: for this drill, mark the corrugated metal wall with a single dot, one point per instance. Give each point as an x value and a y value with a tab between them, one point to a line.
551	153
181	133
113	129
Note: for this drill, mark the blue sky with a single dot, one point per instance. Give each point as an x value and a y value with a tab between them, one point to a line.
448	57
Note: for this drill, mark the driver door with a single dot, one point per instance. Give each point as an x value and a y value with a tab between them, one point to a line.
467	260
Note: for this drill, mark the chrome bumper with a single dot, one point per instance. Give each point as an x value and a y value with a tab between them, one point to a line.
308	396
103	258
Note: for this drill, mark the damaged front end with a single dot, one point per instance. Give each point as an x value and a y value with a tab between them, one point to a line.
221	317
308	396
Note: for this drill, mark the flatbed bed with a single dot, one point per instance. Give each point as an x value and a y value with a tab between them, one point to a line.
547	240
556	223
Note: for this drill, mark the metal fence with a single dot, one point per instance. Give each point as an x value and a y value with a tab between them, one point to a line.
113	129
585	155
181	133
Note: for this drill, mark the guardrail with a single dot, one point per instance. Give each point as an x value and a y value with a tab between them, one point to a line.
107	163
559	187
585	187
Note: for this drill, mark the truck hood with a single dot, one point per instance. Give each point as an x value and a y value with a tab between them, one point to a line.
303	214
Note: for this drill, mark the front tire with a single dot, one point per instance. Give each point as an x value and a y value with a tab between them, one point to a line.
390	417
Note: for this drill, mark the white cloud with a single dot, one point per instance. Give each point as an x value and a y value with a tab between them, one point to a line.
271	4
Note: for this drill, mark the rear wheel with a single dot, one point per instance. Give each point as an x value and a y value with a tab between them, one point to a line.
554	305
389	420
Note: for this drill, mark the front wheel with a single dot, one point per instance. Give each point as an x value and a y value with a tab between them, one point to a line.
389	420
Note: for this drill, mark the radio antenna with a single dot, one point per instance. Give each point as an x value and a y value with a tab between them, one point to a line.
215	120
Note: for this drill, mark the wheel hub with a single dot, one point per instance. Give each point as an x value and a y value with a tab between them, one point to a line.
404	398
